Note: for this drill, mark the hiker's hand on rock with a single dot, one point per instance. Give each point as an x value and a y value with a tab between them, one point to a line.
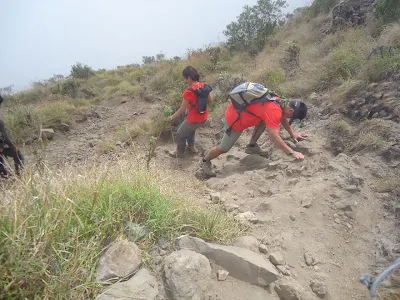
299	136
298	155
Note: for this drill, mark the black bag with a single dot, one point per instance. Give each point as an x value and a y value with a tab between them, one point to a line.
202	98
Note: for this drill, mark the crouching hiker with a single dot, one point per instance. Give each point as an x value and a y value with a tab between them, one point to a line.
195	100
8	149
254	105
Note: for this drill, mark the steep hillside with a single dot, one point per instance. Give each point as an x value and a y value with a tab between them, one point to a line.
321	222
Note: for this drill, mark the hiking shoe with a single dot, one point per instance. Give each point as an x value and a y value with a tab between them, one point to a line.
256	150
206	166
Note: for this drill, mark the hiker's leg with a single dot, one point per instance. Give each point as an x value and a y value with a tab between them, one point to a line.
257	132
226	144
185	133
191	137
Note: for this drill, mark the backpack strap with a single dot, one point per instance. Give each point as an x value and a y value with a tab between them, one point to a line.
239	111
190	103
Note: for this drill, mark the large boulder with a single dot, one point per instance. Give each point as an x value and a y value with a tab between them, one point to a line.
350	13
121	259
141	286
241	263
187	275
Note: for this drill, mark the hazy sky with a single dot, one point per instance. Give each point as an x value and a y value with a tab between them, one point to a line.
40	38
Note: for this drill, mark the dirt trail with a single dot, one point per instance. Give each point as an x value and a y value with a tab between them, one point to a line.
295	203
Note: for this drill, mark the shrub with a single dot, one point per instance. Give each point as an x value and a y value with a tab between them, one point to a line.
321	6
387	11
379	68
22	122
81	71
341	65
254	26
273	77
54	113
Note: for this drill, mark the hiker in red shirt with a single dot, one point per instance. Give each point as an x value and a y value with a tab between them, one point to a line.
261	115
197	111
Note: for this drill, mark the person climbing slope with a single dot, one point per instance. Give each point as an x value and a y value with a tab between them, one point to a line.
195	101
254	105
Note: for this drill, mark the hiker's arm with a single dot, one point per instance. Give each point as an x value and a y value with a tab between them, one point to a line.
285	124
278	141
295	136
209	101
181	110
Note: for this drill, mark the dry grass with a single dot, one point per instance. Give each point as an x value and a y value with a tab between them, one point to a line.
55	225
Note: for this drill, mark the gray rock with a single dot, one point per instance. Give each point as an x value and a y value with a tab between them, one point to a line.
306	203
187	275
289	289
309	259
319	288
231	207
135	232
121	259
241	263
264	206
247	242
351	189
215	197
292	217
276	258
284	270
343	205
350	13
263	249
47	133
63	127
139	287
222	275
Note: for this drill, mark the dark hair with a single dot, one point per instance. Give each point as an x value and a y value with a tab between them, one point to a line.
191	72
300	110
1	99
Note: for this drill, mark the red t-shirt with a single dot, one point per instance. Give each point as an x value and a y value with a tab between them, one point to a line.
269	112
193	116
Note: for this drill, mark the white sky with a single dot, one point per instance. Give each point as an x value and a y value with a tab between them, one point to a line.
45	37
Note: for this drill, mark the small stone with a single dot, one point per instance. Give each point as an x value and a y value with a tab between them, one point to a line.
222	275
91	144
350	215
293	181
309	259
337	221
343	205
306	203
276	258
231	207
292	217
319	288
47	133
334	196
284	270
289	289
349	226
352	189
263	249
215	197
63	127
